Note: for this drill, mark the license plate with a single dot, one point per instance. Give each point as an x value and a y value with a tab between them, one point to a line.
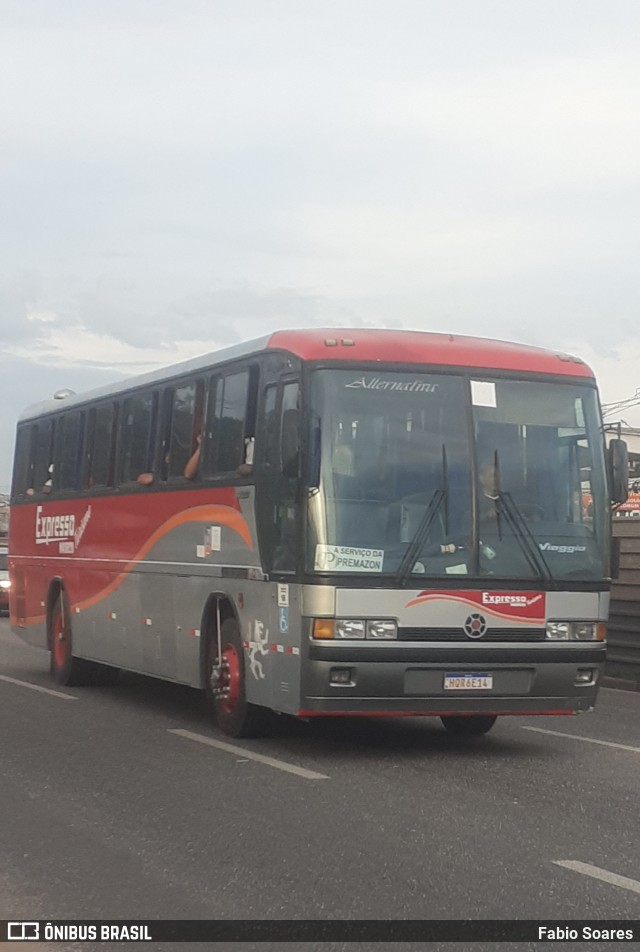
468	682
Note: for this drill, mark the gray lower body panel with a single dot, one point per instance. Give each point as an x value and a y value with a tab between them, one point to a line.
521	683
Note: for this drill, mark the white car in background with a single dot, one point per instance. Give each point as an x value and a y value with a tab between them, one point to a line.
5	584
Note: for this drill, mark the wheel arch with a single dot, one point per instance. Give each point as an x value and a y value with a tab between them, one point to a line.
208	627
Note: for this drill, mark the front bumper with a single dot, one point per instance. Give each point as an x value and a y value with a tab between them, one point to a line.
399	679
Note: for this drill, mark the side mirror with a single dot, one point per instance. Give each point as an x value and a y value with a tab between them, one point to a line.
618	460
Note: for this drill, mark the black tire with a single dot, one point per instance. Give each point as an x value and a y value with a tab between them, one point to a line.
472	725
227	700
65	668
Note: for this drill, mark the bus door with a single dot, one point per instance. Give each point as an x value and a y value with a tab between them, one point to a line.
278	513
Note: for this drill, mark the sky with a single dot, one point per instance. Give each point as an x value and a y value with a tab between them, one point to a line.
179	176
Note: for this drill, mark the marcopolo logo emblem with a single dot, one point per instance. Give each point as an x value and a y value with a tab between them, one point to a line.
475	625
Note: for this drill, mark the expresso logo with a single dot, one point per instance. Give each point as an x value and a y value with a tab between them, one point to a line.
61	528
54	528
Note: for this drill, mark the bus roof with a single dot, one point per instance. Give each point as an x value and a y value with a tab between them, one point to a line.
366	345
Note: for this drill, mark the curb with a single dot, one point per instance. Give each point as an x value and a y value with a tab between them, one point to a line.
621	684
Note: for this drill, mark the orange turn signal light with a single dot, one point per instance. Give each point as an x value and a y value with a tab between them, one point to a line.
324	628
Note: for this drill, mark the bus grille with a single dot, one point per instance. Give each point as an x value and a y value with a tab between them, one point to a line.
457	634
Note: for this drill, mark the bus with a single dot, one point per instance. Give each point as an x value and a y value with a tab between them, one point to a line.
326	523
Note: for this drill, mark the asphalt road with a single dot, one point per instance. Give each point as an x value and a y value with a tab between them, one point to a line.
108	813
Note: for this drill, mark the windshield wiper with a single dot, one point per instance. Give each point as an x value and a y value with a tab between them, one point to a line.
439	497
526	539
505	506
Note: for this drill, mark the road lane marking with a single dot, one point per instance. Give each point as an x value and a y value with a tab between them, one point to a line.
36	687
250	755
587	740
596	873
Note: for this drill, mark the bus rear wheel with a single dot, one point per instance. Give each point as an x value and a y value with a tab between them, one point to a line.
65	668
468	726
225	686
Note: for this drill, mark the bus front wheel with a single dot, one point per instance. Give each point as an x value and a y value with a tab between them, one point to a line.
225	686
468	726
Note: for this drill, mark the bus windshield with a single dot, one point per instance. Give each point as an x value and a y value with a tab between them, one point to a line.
435	474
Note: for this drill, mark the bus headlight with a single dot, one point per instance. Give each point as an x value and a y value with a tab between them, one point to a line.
558	630
589	631
576	631
384	630
348	629
338	628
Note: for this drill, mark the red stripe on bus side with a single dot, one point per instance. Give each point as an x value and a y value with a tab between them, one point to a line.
222	515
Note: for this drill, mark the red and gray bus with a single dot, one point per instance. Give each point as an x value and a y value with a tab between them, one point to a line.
379	523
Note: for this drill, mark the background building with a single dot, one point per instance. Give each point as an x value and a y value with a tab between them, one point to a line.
4	515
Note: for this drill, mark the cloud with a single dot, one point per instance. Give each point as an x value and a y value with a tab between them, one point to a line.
19	294
23	382
77	347
107	333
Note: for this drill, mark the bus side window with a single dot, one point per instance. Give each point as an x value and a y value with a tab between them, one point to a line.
186	407
100	446
270	451
289	443
42	458
136	434
286	508
250	423
22	463
231	425
69	450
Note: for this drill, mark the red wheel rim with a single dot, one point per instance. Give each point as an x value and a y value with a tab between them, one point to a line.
60	641
230	680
